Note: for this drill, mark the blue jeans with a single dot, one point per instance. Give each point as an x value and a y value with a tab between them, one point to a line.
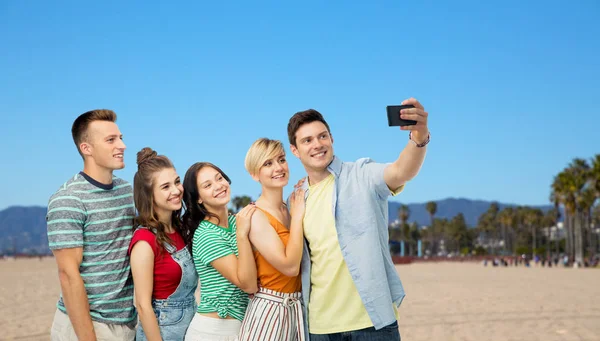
387	333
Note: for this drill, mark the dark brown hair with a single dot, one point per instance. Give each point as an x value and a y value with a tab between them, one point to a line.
80	126
150	163
301	118
195	212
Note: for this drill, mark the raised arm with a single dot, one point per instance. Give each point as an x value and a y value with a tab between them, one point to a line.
411	158
266	240
240	270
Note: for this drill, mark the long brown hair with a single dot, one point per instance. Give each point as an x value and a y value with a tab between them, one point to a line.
150	163
195	212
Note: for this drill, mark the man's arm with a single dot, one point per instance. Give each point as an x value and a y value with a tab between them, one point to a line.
73	292
65	220
411	158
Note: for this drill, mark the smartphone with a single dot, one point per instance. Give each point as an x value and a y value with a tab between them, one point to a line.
393	114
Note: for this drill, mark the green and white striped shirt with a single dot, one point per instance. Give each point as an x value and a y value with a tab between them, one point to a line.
98	218
217	294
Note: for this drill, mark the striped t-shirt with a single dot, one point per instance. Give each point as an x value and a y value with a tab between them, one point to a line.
217	294
97	217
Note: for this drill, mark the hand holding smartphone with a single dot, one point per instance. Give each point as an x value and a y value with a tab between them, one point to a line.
393	114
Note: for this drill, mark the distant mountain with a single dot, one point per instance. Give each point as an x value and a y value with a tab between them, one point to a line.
24	228
448	208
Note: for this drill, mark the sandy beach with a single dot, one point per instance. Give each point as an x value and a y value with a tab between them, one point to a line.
445	301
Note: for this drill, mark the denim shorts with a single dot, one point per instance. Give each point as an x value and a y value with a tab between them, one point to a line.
173	321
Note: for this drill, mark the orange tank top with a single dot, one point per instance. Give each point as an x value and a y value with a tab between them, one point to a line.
268	276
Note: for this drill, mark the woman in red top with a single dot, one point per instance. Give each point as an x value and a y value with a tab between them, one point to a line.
164	276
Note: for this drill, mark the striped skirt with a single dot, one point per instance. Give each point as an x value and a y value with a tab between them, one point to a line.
273	316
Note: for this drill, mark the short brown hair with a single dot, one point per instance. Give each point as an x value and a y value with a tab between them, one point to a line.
80	126
301	118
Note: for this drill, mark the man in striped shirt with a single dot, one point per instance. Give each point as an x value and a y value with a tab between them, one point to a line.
90	221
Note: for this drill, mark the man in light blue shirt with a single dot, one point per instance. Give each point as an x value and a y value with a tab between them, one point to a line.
355	270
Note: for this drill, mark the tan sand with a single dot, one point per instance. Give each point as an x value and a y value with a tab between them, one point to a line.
454	301
445	301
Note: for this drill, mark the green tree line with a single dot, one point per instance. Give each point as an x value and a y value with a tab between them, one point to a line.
517	230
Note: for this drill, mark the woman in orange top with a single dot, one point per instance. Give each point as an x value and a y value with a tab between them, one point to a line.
275	311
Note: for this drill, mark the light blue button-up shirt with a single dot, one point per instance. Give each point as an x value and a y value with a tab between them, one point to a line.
360	209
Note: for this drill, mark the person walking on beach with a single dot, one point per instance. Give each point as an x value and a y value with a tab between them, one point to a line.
275	311
90	220
349	283
163	271
221	251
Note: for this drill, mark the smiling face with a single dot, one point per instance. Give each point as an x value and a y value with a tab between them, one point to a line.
314	146
274	172
167	192
104	145
266	163
213	189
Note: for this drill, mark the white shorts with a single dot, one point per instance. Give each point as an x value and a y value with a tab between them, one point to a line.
204	328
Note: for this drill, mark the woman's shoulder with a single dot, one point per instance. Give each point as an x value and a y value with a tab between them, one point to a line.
205	229
143	234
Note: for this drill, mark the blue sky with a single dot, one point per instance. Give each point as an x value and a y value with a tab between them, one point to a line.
511	88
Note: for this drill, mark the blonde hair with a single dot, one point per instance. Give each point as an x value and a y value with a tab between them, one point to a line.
262	150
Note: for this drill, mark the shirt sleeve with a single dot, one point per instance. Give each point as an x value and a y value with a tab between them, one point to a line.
373	172
65	220
145	235
208	246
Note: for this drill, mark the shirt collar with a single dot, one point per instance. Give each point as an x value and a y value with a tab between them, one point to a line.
335	166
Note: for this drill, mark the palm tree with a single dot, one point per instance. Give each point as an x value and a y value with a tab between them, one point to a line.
588	197
240	202
532	219
442	226
596	226
506	218
580	171
403	215
554	199
594	174
570	186
563	189
415	234
551	221
432	209
488	222
395	234
519	238
458	231
596	216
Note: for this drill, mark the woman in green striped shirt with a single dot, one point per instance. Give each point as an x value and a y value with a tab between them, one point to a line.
222	254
